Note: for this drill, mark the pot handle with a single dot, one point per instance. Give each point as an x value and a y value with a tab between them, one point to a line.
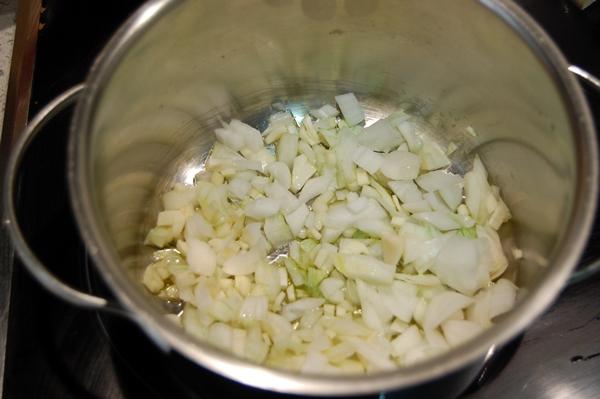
585	75
29	259
594	266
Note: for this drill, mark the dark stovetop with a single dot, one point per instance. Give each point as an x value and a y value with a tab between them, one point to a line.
57	351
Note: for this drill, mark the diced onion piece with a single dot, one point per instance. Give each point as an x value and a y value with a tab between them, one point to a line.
409	339
435	202
277	231
295	310
400	299
352	247
287	201
392	246
436	340
287	149
366	268
351	109
503	297
381	136
314	187
238	187
428	280
442	220
197	227
254	308
459	331
457	265
374	355
281	173
152	280
433	156
307	132
406	191
490	243
476	188
442	306
296	219
252	137
159	236
201	257
230	138
326	111
346	327
437	180
220	335
178	199
452	195
367	159
301	172
401	165
493	301
408	130
256	348
238	342
242	263
262	208
173	218
332	289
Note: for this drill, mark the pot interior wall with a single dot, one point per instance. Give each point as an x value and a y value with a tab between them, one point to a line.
455	62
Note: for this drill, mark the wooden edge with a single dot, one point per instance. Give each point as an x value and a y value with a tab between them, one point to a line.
18	95
22	66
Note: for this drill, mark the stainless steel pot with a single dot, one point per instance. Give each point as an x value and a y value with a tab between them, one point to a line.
145	116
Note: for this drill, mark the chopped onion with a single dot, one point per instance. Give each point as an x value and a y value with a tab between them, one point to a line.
301	172
367	159
442	306
296	219
201	257
230	138
409	339
287	149
387	263
439	219
406	191
457	265
254	308
401	165
437	180
331	288
351	109
366	268
252	137
295	310
277	231
242	263
239	187
262	208
381	136
459	331
281	173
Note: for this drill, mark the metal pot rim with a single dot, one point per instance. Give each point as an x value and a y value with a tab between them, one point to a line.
168	336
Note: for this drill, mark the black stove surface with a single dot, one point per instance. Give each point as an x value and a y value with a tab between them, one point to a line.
57	351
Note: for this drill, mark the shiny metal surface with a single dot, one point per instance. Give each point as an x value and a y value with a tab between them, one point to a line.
585	75
177	67
10	221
